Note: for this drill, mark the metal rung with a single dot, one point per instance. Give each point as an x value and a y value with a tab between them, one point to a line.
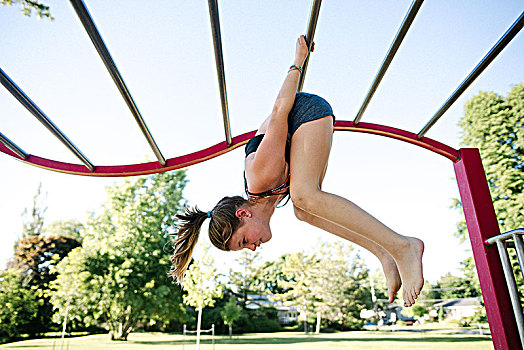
312	25
219	59
33	108
98	42
500	241
483	64
9	144
406	23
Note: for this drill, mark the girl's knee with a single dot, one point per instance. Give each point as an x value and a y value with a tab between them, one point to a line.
300	214
303	198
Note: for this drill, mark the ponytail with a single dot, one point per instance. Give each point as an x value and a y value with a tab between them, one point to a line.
185	243
222	226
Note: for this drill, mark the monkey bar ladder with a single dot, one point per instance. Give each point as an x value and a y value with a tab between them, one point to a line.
478	208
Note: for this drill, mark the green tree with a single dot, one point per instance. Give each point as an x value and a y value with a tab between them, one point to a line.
230	314
67	228
27	7
301	272
471	276
270	276
494	125
33	219
419	310
343	287
36	257
244	278
19	304
357	294
118	278
331	280
200	283
452	287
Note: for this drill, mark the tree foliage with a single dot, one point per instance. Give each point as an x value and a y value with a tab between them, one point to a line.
301	271
33	219
453	287
200	283
270	276
244	279
28	6
332	282
35	257
68	228
118	278
230	313
495	125
344	287
19	304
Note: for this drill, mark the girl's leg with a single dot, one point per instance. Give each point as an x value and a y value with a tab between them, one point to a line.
310	149
388	263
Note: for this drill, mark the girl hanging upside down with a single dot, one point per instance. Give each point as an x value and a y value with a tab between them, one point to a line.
289	157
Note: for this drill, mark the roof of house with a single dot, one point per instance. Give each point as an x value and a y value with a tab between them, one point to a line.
459	302
256	301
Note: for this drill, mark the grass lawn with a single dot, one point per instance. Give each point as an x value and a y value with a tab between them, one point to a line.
426	339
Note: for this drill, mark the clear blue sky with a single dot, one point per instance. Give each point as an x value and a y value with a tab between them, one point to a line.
164	51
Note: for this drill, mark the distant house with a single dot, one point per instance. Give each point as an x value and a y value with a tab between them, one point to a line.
456	309
393	313
286	314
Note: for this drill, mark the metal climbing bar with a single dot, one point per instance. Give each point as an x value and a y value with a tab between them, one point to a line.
14	148
312	26
33	108
406	24
500	241
102	50
219	59
490	56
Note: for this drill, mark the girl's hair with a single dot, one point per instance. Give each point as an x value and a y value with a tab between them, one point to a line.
221	227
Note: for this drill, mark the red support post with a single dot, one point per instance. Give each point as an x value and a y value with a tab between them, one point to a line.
482	224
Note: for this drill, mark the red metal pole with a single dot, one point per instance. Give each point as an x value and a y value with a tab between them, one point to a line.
482	224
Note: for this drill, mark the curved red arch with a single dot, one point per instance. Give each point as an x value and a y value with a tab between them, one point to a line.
221	148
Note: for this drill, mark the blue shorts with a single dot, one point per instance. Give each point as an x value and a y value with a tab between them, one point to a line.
307	107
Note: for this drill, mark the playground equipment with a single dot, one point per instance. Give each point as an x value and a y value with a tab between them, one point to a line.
210	330
481	220
518	244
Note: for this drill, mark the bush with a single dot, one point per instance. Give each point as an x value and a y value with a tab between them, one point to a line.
266	325
480	316
464	322
263	320
19	305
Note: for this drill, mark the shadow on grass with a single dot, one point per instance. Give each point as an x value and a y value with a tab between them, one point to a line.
299	340
27	346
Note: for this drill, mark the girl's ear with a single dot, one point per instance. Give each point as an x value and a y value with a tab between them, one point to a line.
242	212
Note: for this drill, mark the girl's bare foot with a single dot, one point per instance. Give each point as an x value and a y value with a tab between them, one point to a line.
392	276
409	263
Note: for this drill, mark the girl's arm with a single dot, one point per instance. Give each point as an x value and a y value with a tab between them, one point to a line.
286	96
268	161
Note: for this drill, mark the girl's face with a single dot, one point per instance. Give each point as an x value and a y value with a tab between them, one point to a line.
251	233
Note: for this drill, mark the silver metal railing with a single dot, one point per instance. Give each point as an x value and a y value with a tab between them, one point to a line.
503	244
310	35
101	48
42	118
403	30
9	144
219	59
483	64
